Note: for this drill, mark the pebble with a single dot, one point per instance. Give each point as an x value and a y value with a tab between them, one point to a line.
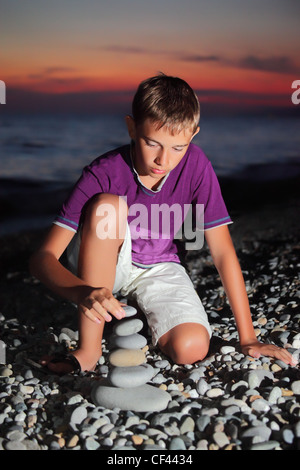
77	416
202	422
269	445
2	352
255	377
16	435
227	401
15	445
221	439
296	387
177	444
214	392
134	341
275	394
127	357
73	441
91	444
202	386
188	425
297	429
130	311
130	376
288	435
143	398
128	327
5	372
260	405
261	433
227	349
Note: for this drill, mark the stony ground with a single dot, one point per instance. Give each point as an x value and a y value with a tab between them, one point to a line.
228	401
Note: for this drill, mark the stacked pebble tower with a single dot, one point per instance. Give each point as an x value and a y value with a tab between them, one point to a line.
126	385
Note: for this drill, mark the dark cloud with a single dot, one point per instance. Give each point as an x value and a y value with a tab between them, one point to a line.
272	64
58	69
277	64
127	49
243	96
50	71
201	58
172	54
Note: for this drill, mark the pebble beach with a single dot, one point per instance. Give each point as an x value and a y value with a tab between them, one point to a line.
228	401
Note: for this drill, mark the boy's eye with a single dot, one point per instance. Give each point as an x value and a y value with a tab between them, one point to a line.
150	144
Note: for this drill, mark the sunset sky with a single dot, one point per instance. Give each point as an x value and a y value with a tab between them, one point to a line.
241	53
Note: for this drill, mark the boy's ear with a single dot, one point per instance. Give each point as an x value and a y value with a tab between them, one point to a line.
130	126
196	132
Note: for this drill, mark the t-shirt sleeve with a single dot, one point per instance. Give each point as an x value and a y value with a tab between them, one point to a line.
71	211
208	196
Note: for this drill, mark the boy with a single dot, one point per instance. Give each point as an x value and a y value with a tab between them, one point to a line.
110	255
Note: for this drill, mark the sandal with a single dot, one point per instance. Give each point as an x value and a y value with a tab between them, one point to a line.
66	358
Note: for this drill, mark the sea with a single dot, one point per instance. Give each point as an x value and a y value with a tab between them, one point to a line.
48	152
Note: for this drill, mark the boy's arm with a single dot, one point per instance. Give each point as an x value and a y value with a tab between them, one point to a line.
96	302
225	259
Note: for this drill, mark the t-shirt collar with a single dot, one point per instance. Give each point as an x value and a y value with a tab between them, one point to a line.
137	175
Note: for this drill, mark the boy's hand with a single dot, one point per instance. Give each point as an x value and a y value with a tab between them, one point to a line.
98	302
256	349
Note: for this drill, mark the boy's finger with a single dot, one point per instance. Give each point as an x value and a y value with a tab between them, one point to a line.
101	310
114	307
88	313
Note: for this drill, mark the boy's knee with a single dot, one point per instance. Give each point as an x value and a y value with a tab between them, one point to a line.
187	344
189	352
105	201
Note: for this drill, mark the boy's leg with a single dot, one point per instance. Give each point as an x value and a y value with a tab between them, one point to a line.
97	266
174	311
186	343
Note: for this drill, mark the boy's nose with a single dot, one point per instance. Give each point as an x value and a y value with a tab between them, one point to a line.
162	158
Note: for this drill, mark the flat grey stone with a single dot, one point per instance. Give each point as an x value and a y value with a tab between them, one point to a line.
275	394
269	445
256	376
91	444
2	352
260	405
15	445
16	436
130	311
202	386
77	416
128	327
134	376
227	349
260	432
202	422
177	444
127	357
143	398
221	439
296	387
134	341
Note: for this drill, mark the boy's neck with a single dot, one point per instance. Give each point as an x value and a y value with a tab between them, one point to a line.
150	183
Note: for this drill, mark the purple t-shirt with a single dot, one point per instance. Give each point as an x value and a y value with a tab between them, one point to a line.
155	217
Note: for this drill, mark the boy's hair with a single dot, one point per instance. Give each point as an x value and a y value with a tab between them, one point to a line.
167	101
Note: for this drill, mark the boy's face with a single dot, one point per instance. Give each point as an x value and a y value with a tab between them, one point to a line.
157	151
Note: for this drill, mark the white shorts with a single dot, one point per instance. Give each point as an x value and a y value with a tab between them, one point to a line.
164	292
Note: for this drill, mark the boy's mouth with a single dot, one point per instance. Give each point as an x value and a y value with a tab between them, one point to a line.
157	171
